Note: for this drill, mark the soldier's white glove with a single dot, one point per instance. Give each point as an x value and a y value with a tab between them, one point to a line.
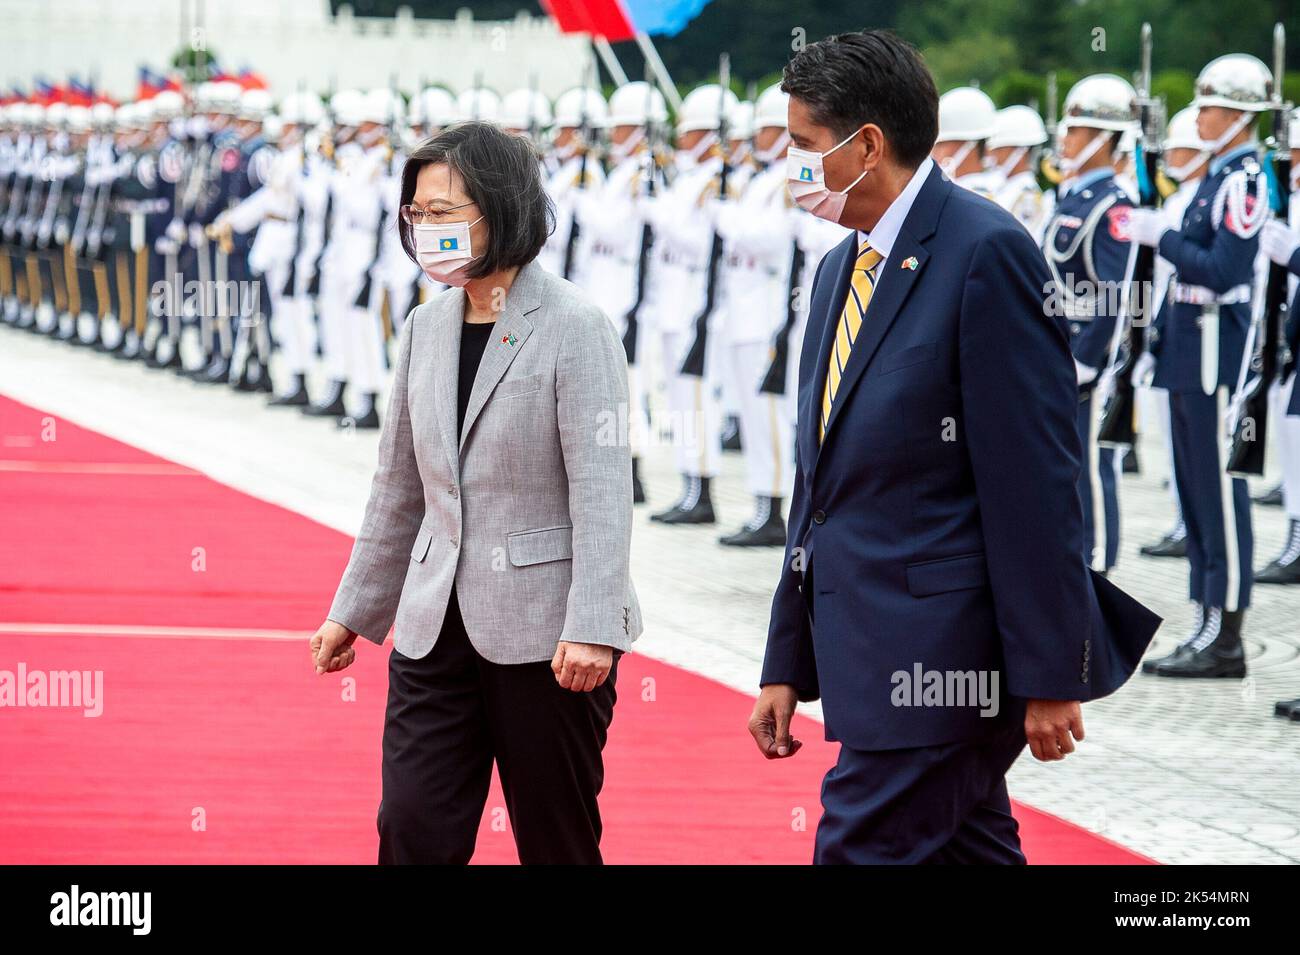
1144	370
1085	373
61	233
165	245
176	230
1278	242
1146	226
196	235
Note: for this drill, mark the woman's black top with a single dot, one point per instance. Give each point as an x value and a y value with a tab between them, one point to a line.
474	337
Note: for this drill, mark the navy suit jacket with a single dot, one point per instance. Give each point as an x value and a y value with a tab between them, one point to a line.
938	525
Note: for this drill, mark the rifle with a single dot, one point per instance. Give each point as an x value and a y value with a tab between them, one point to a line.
571	243
290	289
1048	170
327	150
774	380
694	362
390	130
1250	403
647	233
1116	428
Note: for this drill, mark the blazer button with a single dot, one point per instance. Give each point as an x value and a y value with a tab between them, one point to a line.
819	516
453	541
453	492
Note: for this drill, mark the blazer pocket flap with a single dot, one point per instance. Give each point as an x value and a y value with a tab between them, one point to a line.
511	387
951	573
421	548
909	356
539	546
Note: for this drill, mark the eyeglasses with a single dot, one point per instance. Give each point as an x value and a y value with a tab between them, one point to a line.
414	215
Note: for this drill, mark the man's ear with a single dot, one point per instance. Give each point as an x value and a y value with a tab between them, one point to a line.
875	148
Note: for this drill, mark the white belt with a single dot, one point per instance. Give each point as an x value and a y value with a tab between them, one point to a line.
1200	295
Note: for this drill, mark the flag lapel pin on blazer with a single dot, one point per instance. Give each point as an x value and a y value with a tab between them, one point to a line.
509	339
910	263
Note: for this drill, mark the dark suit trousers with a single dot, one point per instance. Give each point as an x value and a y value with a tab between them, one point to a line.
927	805
450	714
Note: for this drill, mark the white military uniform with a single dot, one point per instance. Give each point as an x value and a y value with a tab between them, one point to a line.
758	233
359	216
1019	194
683	232
562	186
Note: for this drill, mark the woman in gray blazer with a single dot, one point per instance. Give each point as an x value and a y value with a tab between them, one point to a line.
497	535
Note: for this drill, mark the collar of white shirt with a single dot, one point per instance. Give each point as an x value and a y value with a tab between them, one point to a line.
882	237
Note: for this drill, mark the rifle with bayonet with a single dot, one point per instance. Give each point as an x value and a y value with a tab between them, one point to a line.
647	233
1249	415
694	362
1116	427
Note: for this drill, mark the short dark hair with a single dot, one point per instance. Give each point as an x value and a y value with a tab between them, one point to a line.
502	176
875	76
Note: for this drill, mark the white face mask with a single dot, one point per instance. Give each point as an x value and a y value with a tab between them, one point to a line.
806	180
443	251
951	164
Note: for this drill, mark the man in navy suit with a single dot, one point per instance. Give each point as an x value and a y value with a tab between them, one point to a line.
934	593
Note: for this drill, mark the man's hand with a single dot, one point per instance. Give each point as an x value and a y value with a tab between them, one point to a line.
331	648
1049	724
581	667
769	724
1146	226
1278	242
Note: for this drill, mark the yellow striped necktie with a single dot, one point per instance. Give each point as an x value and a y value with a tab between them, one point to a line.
861	286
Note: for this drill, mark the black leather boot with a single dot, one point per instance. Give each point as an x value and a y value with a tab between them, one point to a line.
1173	544
638	490
297	398
1285	568
1217	653
368	419
1183	650
765	529
695	506
333	407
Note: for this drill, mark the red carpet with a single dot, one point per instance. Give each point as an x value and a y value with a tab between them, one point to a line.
221	745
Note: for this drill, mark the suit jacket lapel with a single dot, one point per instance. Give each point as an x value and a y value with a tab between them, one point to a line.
445	353
895	283
811	416
512	330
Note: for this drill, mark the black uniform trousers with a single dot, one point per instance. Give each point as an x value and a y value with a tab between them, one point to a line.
450	714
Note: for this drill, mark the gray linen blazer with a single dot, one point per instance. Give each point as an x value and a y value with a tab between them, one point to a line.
528	510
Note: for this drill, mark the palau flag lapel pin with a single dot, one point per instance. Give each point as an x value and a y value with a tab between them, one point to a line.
910	263
509	339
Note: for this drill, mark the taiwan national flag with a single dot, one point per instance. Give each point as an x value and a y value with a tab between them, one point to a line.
623	19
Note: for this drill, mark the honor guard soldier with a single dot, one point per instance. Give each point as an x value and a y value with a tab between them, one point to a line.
1202	330
169	149
1280	243
1018	138
526	112
1087	250
135	198
1185	163
967	118
682	220
579	113
758	232
616	241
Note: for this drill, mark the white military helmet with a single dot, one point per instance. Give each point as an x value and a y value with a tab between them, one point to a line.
632	103
347	107
1127	144
701	106
1017	126
1237	81
142	113
435	106
254	104
578	104
1101	101
77	119
525	109
56	114
302	109
126	116
382	106
103	115
479	103
966	115
740	120
36	114
166	104
1181	132
772	108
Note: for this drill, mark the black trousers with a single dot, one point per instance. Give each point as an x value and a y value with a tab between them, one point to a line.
450	715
